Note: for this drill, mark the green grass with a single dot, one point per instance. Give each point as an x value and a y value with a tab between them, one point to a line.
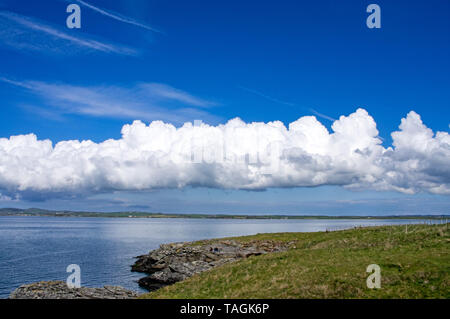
415	264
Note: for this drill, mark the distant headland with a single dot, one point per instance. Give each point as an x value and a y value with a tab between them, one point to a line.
134	214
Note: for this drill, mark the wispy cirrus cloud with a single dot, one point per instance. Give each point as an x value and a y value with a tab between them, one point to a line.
168	92
265	96
332	119
144	101
116	16
277	101
25	33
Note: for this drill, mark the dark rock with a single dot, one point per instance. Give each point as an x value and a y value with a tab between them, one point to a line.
60	290
175	262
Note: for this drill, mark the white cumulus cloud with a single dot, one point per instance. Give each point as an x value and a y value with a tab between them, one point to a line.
235	155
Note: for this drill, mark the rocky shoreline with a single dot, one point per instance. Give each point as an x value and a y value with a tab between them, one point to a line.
60	290
172	263
168	264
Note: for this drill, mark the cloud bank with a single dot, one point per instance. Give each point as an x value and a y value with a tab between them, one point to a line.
235	155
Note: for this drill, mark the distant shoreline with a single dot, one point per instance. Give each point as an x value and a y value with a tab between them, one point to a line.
30	212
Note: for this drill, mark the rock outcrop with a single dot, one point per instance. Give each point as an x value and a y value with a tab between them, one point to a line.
165	266
59	290
175	262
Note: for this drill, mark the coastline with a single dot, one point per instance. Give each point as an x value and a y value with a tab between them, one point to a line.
410	257
30	212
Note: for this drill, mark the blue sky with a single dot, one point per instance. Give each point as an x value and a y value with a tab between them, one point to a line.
261	61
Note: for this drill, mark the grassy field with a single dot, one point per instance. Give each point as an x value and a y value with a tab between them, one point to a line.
415	263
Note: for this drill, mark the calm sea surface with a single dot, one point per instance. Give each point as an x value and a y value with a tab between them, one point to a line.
40	248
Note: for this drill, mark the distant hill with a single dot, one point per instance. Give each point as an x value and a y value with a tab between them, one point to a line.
132	214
